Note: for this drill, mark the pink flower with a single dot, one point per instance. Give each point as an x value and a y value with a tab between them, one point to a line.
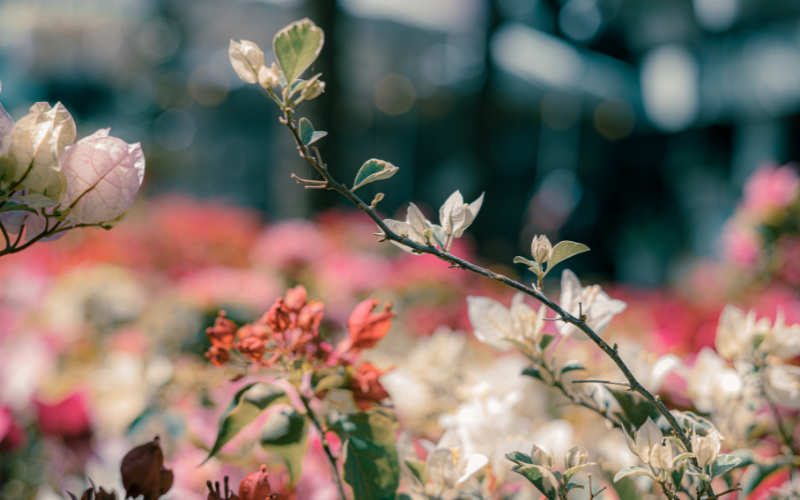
771	188
11	434
741	244
68	418
289	244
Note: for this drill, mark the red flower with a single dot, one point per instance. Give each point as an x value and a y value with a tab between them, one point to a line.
223	332
257	330
296	298
217	356
11	434
255	485
143	472
69	418
366	387
277	318
311	315
252	348
366	328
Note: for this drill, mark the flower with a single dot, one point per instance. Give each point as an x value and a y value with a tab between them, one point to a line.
367	328
782	384
706	448
598	307
143	471
268	77
366	387
456	216
415	228
247	60
711	382
255	486
737	333
252	348
650	446
782	340
495	325
68	418
541	249
217	356
313	88
771	188
449	467
223	333
12	435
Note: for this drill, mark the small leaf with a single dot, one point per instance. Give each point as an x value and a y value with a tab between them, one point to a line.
546	340
574	470
632	471
307	133
285	433
677	475
35	200
374	170
682	456
723	464
533	265
245	407
542	478
570	366
18	208
332	377
572	486
419	469
635	408
297	46
532	371
519	457
564	250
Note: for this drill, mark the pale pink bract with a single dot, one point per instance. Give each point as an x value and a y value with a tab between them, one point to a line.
770	188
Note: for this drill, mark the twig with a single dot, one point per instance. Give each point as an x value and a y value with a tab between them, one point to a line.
735	488
600	382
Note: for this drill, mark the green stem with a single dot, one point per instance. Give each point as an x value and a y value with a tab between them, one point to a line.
336	476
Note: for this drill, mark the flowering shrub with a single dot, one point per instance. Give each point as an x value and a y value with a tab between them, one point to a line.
351	399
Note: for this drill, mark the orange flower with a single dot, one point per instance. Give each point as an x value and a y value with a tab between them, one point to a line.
223	332
252	348
296	298
366	328
277	318
217	356
255	485
311	315
366	387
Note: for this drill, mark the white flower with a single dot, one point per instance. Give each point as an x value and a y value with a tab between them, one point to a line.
737	333
269	77
413	228
783	385
574	458
247	60
648	368
650	446
449	466
706	448
456	216
541	249
782	341
313	88
598	307
711	383
494	323
541	457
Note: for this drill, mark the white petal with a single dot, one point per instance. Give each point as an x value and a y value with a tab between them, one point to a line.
475	462
647	438
446	211
491	322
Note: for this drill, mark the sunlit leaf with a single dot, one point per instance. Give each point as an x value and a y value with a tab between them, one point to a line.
307	133
542	478
632	471
571	365
285	433
519	457
419	469
574	470
18	208
564	250
297	46
373	170
245	406
723	464
533	265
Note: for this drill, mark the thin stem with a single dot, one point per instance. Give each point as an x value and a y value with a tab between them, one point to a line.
788	440
577	400
735	488
600	382
635	385
336	476
5	235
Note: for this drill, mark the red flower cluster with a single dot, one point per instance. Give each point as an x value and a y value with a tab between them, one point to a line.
366	387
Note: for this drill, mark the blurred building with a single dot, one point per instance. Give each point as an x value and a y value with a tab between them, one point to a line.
629	125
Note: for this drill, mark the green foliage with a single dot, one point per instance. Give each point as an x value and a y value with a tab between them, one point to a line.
371	466
564	250
17	208
571	366
631	471
245	407
373	170
635	409
285	433
307	133
296	47
519	458
419	469
723	464
542	478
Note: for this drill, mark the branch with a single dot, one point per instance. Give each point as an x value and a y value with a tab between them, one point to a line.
332	184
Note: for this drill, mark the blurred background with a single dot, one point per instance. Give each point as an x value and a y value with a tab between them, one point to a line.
628	125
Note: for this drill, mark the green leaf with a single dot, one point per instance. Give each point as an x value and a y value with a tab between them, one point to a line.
572	486
532	371
574	470
542	478
533	265
18	208
36	200
677	475
297	46
371	466
723	464
563	251
331	377
285	433
635	408
682	456
546	340
519	458
419	469
307	133
570	366
245	407
632	471
374	170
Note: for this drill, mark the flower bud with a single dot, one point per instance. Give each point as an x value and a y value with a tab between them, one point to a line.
574	458
252	348
255	485
143	472
367	328
541	249
277	318
268	77
217	356
539	457
223	332
296	298
258	330
313	88
247	59
311	315
366	387
706	448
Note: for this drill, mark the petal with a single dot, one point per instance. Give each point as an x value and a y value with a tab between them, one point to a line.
647	438
445	212
416	219
475	462
491	322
